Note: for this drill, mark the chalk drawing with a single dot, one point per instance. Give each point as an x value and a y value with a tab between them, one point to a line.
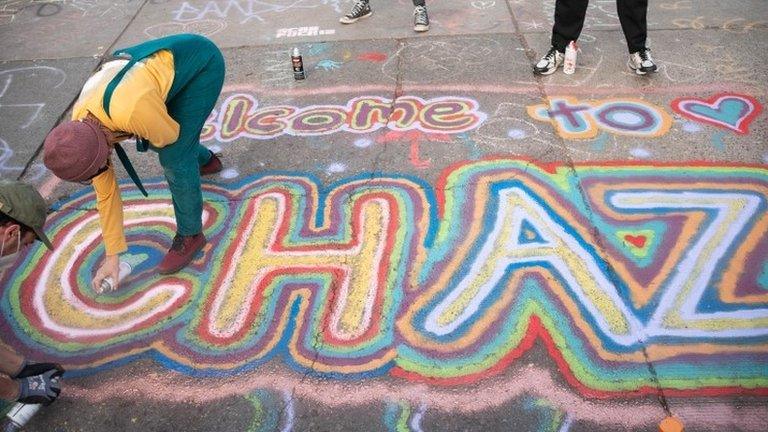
327	65
205	27
640	153
363	142
229	173
19	112
385	275
302	32
691	127
267	411
402	417
245	10
717	140
677	5
728	111
533	25
9	171
335	168
574	119
550	418
444	58
483	4
373	57
240	116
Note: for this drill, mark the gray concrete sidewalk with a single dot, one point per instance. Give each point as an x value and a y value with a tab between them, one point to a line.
421	235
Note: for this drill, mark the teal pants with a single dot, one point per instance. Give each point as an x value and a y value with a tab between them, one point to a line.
197	83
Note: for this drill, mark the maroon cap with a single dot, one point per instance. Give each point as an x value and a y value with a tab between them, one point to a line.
75	150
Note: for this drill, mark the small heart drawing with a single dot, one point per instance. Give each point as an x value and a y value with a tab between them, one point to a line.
637	241
725	110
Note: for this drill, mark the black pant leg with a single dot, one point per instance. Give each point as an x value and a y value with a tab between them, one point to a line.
633	15
419	3
569	20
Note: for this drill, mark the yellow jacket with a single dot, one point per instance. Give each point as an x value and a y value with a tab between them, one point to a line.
137	107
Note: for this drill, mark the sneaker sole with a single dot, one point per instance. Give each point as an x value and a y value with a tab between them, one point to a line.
345	20
547	72
421	29
643	71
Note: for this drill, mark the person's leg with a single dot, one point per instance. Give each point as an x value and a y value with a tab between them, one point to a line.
420	17
11	362
633	15
9	389
181	161
569	20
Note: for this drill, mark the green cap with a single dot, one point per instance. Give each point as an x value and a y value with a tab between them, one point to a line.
25	204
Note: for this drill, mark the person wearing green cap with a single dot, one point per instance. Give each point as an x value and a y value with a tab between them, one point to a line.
22	217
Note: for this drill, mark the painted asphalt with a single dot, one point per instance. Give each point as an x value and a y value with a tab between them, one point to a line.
421	235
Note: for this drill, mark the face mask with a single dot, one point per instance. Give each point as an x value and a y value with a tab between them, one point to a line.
6	261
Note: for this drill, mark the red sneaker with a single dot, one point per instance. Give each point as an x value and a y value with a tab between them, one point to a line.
213	165
182	252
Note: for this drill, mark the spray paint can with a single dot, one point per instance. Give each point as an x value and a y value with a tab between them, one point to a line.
298	65
108	284
569	63
19	415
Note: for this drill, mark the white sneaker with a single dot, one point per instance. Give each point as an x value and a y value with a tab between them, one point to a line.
641	62
550	62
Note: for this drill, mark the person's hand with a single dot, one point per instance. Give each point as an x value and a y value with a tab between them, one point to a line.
40	389
109	268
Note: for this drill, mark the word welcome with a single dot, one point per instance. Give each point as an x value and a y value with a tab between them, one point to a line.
240	116
606	265
574	119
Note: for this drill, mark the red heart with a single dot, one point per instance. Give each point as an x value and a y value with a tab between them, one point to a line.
637	241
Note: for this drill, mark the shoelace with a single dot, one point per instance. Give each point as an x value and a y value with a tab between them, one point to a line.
357	8
421	14
645	55
551	54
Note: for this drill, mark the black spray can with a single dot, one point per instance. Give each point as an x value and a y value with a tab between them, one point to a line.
298	65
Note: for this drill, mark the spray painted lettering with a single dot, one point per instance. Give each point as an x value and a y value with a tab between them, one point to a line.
240	116
607	265
574	119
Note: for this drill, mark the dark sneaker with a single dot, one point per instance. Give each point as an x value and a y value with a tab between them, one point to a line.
420	19
550	62
182	252
212	166
641	62
361	9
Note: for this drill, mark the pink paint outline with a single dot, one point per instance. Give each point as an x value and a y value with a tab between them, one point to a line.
679	105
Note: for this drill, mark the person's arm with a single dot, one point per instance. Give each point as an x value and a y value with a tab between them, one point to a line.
110	207
150	120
